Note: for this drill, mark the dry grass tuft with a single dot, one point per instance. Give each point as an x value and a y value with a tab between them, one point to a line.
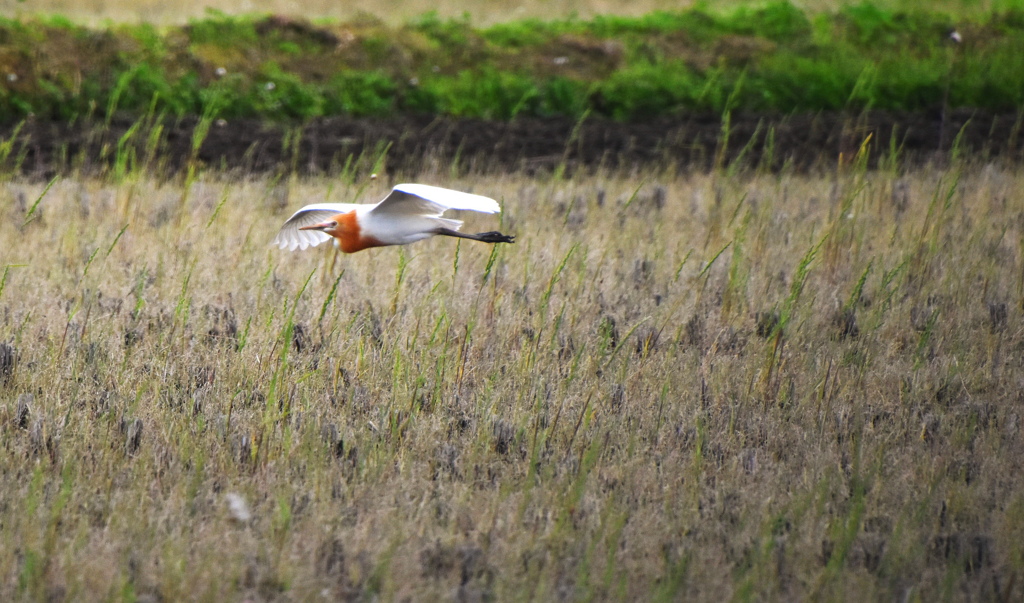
700	387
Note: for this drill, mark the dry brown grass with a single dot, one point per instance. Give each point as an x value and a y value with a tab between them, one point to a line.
482	12
600	414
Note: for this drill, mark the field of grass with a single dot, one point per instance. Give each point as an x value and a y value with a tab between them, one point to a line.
672	387
483	12
774	57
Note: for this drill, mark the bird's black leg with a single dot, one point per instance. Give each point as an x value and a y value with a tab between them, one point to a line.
484	237
494	237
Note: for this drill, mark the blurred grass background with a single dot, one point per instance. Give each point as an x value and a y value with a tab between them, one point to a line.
742	382
774	57
482	12
723	385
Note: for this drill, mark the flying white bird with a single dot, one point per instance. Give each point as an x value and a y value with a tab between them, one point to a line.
412	212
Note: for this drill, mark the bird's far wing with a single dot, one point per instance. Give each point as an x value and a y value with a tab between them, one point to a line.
290	237
425	200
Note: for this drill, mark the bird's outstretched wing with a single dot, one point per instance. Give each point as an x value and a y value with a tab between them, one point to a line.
425	200
290	237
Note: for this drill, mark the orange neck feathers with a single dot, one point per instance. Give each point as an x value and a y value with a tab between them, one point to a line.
349	234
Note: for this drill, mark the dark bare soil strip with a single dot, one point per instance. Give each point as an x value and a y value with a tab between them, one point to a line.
532	145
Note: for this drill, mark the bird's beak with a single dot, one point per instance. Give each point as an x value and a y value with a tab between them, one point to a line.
320	226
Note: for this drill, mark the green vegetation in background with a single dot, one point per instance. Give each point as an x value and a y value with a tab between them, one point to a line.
772	58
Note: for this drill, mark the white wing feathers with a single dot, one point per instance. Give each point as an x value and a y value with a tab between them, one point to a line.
291	238
424	200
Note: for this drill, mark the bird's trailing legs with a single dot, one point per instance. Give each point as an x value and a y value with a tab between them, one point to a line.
485	237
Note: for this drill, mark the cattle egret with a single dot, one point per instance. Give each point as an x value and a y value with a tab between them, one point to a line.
412	212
